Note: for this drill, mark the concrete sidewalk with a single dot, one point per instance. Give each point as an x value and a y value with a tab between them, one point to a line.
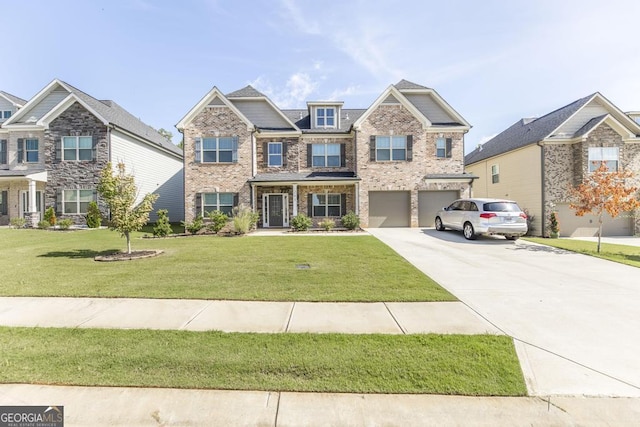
243	316
120	406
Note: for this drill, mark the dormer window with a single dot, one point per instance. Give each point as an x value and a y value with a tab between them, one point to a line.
326	117
5	114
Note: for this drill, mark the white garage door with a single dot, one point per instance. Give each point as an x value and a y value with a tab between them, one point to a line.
389	209
587	225
430	202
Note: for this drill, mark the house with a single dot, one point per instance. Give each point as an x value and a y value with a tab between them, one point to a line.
537	161
54	146
393	164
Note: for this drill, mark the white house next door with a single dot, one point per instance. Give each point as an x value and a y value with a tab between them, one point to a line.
275	212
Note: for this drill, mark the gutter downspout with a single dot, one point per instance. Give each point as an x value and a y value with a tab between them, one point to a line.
356	186
253	192
543	190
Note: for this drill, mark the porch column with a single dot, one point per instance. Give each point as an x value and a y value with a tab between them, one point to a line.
357	198
295	200
32	215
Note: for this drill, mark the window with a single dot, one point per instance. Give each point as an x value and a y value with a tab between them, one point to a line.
217	149
222	202
3	151
27	150
443	147
603	155
5	114
326	205
326	155
325	117
4	202
275	154
495	174
75	202
391	148
77	147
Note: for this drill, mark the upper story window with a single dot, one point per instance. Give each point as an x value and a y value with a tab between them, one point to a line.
5	114
326	155
495	174
77	147
391	148
3	152
27	150
216	149
274	154
603	155
443	147
325	117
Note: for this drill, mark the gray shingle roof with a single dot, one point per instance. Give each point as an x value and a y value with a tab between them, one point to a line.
13	98
445	176
118	116
590	125
308	176
405	84
525	132
246	92
302	120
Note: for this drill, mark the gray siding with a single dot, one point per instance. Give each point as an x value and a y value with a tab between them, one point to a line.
430	108
260	113
588	112
44	106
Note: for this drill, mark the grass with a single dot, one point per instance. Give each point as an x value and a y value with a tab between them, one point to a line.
478	365
349	268
629	255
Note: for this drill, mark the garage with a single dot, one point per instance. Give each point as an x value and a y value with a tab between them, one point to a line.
430	202
587	225
389	209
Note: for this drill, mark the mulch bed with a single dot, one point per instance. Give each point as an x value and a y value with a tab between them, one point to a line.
123	256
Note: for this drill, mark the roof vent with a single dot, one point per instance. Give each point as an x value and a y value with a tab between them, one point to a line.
32	119
300	116
347	116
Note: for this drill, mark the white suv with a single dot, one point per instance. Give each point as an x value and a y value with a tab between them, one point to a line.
483	216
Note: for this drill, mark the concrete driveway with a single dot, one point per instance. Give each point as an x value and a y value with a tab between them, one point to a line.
575	319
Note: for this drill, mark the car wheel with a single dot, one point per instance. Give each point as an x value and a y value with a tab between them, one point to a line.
439	225
468	231
512	237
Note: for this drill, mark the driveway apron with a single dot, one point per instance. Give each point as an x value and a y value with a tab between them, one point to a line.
575	319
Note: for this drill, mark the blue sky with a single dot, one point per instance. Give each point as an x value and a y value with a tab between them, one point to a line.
493	61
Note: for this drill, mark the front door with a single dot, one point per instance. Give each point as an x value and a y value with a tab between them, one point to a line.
24	203
275	210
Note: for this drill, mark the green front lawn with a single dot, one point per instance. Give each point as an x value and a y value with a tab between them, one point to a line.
341	268
624	254
479	365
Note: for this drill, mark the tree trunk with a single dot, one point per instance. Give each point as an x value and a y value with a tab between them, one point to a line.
126	234
599	230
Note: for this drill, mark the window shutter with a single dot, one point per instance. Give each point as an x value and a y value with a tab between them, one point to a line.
94	148
343	155
448	154
409	148
284	154
20	150
234	154
58	149
343	204
309	155
198	148
198	204
95	195
236	199
310	205
372	148
5	203
265	153
3	151
58	202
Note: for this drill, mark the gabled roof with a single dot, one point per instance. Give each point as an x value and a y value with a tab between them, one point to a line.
551	127
108	112
246	92
405	84
18	102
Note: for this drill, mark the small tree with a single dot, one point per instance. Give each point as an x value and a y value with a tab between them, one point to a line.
603	191
50	216
119	192
553	225
94	216
163	226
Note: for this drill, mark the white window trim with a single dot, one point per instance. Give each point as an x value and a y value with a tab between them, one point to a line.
3	112
265	209
391	159
326	155
269	154
27	151
77	202
217	205
324	116
495	174
326	205
234	151
77	148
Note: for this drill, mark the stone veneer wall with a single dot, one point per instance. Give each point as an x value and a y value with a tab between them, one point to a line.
404	175
216	177
69	175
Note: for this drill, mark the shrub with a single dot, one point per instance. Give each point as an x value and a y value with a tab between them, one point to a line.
327	224
218	221
65	223
94	216
50	216
553	224
301	222
44	224
244	219
195	226
350	221
162	227
530	219
18	222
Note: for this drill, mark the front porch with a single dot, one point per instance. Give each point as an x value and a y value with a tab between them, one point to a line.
22	196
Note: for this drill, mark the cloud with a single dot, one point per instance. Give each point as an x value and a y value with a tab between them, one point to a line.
298	18
294	93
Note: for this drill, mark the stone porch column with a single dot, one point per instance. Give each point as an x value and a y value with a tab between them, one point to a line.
32	213
295	200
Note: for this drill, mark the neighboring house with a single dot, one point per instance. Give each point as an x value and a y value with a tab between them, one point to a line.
394	164
537	161
56	144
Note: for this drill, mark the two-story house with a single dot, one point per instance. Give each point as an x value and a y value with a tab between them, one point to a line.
56	144
394	164
537	161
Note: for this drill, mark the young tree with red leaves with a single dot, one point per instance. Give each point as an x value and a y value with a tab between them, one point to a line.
604	191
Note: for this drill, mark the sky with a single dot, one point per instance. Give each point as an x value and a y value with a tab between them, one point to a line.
493	61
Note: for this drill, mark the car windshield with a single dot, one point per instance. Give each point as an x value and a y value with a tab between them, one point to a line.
501	207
